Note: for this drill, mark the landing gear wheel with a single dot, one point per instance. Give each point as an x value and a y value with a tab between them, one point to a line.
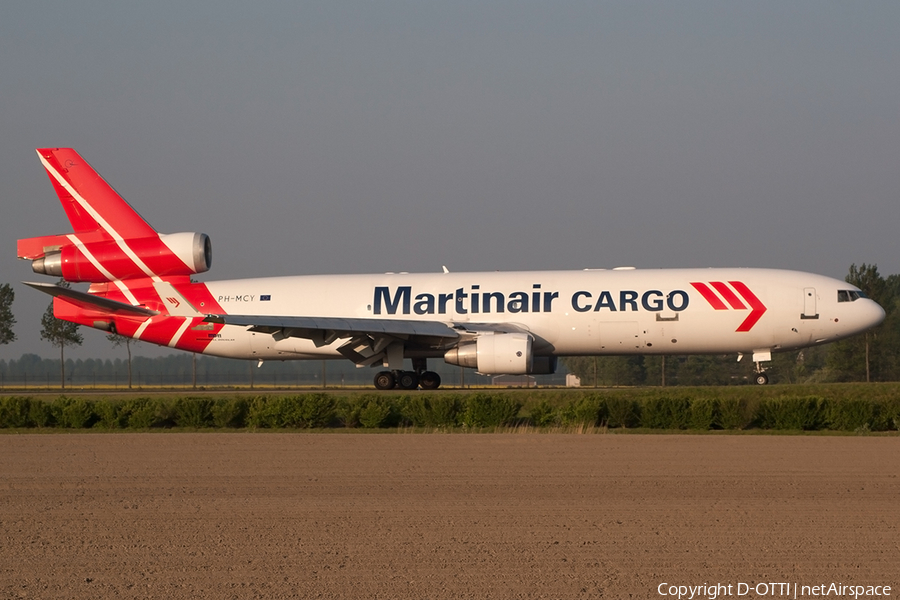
762	379
408	380
385	380
429	380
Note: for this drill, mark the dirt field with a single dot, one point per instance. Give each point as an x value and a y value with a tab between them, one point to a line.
261	515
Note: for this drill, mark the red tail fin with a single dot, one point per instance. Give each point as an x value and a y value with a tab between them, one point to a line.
90	203
140	278
111	241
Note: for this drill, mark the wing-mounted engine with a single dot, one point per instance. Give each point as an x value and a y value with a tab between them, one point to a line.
501	354
95	258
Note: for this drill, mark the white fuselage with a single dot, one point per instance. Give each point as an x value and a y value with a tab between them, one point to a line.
591	312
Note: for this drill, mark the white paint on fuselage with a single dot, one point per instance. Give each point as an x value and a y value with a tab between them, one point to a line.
617	327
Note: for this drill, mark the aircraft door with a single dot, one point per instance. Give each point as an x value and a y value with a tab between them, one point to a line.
809	304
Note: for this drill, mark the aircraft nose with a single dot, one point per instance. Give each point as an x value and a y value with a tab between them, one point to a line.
874	314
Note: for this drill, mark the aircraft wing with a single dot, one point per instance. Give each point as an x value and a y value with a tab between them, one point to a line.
369	340
310	327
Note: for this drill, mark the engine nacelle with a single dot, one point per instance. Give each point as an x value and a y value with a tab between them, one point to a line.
194	249
107	260
495	354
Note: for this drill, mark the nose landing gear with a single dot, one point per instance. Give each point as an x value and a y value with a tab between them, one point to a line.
761	377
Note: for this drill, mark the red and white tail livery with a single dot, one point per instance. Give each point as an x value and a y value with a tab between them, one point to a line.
495	322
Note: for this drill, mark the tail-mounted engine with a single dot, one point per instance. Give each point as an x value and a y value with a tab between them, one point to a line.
111	241
501	353
77	259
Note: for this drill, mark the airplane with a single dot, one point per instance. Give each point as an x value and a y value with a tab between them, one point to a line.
512	323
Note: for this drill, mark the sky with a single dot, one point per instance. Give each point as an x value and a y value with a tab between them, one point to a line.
354	137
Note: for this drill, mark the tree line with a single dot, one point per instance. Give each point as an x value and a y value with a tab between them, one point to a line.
873	356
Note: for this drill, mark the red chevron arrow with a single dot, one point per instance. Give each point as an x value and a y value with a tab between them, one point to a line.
757	307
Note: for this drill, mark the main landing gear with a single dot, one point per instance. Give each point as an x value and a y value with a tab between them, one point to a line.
408	380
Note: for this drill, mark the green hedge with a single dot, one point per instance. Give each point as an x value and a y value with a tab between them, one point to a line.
489	410
693	409
805	413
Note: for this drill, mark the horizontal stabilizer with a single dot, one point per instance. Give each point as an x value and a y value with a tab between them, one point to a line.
89	301
37	247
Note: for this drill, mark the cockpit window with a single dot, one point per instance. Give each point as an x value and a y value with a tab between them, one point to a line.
850	295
